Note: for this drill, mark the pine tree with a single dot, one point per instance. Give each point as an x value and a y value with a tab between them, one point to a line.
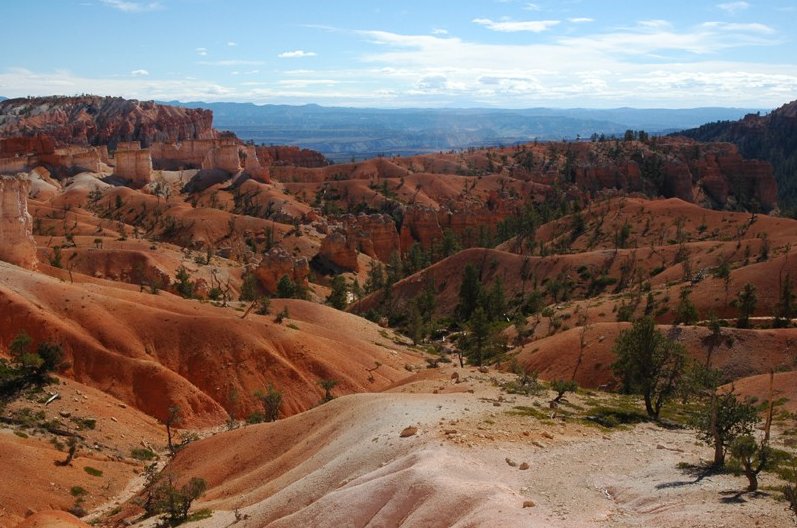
686	312
469	293
338	297
784	311
746	301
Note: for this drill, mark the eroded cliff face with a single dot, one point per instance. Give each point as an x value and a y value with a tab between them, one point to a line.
92	120
134	165
293	156
277	263
16	225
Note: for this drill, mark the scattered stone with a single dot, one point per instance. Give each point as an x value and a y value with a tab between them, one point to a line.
65	414
547	435
496	404
511	462
408	431
528	504
484	370
537	443
524	466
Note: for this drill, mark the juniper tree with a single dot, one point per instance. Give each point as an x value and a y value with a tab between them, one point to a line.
649	363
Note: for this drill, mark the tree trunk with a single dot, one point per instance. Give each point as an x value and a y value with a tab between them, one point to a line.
719	451
169	437
649	408
752	477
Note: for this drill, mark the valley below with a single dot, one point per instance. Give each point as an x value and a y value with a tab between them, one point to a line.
198	329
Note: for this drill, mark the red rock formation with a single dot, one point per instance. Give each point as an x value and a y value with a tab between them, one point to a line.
92	120
253	167
19	146
339	251
183	155
375	235
420	225
224	157
16	225
294	156
278	263
134	165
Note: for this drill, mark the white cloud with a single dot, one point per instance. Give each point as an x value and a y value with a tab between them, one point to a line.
132	7
439	31
751	28
654	24
201	51
508	26
232	44
733	7
296	54
580	20
230	62
531	7
139	73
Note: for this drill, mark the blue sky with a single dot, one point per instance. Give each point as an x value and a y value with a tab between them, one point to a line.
432	53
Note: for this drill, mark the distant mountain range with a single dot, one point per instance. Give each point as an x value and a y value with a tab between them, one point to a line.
342	133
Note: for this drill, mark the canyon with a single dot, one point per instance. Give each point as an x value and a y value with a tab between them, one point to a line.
189	278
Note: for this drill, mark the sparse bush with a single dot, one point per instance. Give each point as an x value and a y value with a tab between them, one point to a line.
142	453
271	399
561	387
94	472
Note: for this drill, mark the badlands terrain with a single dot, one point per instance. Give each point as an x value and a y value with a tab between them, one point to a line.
195	280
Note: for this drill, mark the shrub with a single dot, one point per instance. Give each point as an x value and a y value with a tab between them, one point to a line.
94	472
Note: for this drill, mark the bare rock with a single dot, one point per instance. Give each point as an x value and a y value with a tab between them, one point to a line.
408	431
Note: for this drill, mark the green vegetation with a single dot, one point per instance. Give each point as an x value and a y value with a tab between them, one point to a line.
142	453
94	472
649	364
26	368
271	399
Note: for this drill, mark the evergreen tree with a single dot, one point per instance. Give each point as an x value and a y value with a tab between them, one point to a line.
480	344
686	311
184	286
286	288
469	293
649	364
338	297
376	277
746	301
784	311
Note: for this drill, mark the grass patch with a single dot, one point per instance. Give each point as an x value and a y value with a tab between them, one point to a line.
84	423
142	453
611	417
204	513
524	410
94	472
291	325
21	434
77	491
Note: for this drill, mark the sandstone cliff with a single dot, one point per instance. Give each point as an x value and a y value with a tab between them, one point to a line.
16	226
93	120
278	263
293	156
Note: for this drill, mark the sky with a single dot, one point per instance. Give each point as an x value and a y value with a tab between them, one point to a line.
408	53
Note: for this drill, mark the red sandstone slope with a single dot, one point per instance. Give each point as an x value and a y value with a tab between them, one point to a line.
153	351
739	354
